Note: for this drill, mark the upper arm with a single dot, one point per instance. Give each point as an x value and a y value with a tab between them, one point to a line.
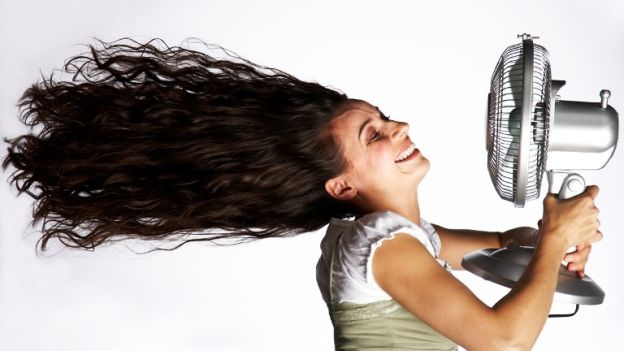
409	274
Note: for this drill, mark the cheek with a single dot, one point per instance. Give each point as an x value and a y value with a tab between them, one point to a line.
374	164
377	161
380	160
382	152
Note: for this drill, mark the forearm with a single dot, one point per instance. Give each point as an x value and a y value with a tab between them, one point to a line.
525	308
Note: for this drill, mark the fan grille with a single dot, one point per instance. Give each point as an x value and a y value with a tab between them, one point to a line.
504	123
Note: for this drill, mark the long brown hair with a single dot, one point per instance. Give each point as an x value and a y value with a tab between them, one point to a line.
156	142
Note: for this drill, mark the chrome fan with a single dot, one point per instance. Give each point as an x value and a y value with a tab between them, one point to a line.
529	132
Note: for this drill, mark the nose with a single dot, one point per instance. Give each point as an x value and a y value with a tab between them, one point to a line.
399	130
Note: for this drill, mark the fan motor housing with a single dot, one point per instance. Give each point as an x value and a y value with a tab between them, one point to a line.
583	135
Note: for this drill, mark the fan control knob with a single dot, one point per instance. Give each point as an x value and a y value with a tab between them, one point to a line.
604	98
572	185
575	185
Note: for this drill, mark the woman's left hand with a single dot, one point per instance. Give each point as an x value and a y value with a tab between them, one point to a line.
577	260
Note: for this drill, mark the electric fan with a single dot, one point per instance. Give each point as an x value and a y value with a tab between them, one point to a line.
531	131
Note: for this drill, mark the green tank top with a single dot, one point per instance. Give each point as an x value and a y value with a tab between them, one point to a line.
381	325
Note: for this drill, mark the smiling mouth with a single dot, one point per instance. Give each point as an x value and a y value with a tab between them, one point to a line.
409	153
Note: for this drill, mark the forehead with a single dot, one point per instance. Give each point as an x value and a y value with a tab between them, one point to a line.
353	114
345	128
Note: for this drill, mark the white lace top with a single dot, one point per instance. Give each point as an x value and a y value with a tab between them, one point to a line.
353	244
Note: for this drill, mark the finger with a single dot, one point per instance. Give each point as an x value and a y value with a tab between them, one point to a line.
550	199
597	237
579	255
575	267
581	273
592	191
572	257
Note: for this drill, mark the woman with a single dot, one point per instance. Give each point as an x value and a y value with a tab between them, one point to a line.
162	144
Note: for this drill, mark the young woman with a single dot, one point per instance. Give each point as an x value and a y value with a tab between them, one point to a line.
162	143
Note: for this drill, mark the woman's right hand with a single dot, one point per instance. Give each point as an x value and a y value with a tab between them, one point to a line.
571	221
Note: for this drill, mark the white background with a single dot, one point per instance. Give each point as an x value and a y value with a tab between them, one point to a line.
427	63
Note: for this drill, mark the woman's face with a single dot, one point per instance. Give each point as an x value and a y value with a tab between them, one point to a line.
385	167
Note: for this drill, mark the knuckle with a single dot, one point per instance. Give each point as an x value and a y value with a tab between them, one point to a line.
596	237
550	199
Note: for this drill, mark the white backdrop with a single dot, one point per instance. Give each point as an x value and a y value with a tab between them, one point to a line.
428	63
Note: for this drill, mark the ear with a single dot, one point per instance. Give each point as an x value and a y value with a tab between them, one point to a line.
339	188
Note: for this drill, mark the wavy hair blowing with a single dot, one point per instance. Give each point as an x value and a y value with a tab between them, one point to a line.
154	142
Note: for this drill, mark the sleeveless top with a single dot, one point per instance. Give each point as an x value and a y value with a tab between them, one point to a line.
363	315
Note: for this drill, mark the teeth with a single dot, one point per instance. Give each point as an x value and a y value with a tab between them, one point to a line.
406	153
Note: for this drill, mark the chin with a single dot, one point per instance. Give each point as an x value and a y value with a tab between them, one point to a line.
421	171
418	167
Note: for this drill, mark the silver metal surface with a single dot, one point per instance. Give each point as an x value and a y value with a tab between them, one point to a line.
516	137
557	182
604	98
583	135
506	266
522	165
573	184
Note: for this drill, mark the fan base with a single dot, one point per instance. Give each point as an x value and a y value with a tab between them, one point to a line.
505	267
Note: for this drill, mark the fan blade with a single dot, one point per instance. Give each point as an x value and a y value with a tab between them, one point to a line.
515	81
513	150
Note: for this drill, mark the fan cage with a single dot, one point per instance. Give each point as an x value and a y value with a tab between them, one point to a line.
503	126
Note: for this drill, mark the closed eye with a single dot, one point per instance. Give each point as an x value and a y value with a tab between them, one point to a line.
375	136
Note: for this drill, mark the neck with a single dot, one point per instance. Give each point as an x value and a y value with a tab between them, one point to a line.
407	207
410	209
